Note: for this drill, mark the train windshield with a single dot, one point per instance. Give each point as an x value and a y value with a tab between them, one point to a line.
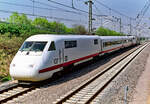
33	46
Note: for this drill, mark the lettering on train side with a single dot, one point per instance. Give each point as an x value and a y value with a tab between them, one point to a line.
55	61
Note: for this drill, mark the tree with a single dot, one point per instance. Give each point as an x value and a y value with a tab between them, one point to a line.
101	31
15	18
58	28
3	28
20	25
41	23
106	32
79	29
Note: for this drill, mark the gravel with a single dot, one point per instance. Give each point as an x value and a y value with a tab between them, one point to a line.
115	92
113	95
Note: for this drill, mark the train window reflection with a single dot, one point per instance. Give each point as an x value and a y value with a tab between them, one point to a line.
33	46
71	44
95	41
110	43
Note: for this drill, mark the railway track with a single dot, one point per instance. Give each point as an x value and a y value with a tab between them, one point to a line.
88	91
13	91
83	94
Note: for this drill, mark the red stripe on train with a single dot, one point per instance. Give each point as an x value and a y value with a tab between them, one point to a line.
74	61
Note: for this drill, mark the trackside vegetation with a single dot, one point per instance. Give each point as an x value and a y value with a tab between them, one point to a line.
101	31
21	26
18	27
8	48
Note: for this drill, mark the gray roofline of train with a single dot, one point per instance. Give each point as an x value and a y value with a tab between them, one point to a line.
49	37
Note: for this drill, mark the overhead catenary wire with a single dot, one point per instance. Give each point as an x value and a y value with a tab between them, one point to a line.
67	6
56	8
97	9
113	10
41	3
107	18
51	17
62	9
73	8
95	14
142	13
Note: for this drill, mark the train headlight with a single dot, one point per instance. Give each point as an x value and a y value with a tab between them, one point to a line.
13	65
31	65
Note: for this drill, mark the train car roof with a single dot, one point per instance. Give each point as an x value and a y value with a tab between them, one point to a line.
110	37
115	37
47	37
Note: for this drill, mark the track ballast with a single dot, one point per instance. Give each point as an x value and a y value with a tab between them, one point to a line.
88	91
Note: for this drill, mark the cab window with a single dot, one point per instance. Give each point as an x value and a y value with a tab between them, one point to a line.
52	46
33	46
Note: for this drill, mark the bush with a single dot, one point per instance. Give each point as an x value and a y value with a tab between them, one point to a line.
79	29
8	48
106	32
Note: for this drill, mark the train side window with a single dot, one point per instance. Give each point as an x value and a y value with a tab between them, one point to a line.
124	41
70	44
95	41
52	46
106	44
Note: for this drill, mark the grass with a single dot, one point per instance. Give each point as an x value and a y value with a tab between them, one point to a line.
8	49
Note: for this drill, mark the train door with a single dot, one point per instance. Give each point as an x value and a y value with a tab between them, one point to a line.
56	52
50	57
61	55
101	45
53	53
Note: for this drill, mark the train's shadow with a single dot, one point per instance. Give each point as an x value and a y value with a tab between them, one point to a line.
82	69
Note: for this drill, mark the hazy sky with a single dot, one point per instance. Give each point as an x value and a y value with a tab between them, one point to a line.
128	7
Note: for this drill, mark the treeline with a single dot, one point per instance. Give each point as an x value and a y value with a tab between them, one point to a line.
107	32
20	25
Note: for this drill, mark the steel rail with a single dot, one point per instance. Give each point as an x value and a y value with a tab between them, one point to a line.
76	90
110	80
8	87
14	91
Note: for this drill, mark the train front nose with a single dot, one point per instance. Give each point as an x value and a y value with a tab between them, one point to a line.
23	72
24	69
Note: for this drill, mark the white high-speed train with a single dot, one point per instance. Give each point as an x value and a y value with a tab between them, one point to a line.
41	56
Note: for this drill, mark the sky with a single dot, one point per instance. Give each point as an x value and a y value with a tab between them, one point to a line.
55	12
128	7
